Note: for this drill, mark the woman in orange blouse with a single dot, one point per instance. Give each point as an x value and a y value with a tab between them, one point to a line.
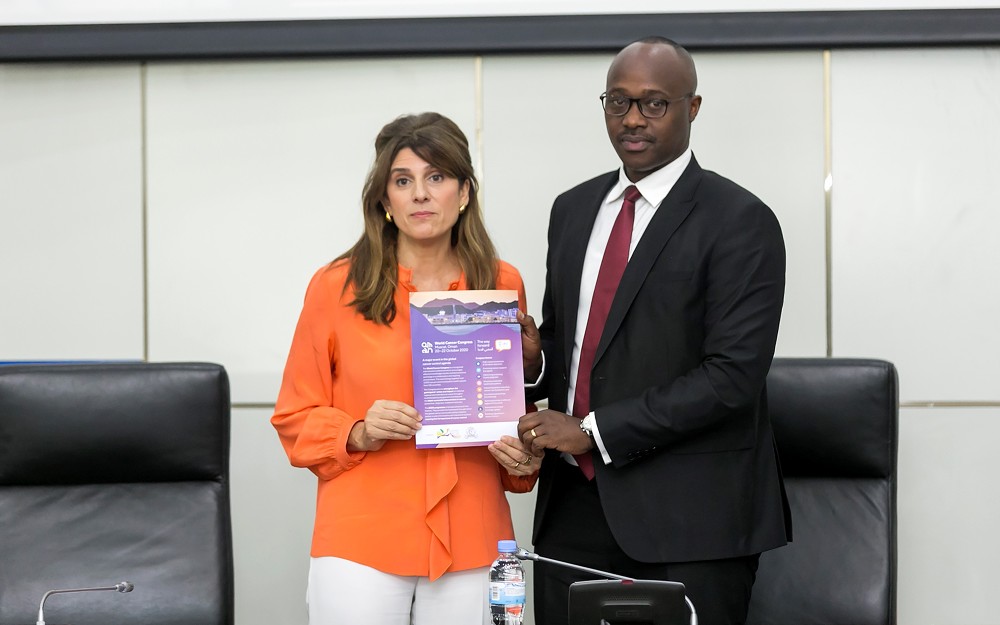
400	533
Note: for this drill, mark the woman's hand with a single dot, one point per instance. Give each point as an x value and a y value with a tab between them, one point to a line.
512	455
531	347
386	420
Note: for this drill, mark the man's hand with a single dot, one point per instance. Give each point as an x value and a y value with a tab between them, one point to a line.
531	347
549	429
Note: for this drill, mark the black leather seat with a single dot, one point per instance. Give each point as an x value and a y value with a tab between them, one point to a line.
835	424
112	472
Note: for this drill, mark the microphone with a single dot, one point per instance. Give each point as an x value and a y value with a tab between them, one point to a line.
120	587
524	554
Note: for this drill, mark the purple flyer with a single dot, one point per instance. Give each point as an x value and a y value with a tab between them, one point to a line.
468	377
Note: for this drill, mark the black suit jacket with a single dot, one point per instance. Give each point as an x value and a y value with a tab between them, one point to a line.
678	378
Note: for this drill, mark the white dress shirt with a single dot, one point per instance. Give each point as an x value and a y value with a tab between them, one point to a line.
653	188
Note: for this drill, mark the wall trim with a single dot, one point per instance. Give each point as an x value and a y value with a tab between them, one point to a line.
496	35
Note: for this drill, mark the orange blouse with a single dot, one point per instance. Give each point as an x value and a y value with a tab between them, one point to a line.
400	509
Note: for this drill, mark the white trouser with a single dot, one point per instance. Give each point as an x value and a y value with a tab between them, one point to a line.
341	592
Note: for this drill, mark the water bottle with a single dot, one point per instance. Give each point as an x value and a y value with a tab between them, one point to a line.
507	586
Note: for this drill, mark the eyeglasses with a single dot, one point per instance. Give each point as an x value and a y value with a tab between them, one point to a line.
650	108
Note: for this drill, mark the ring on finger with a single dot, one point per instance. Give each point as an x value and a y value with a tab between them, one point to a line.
533	435
517	464
527	460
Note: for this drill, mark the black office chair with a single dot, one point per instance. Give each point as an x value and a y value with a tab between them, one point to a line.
114	472
835	424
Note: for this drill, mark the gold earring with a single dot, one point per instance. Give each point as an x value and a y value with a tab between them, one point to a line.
461	209
388	217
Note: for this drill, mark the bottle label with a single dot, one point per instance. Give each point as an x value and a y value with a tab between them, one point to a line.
506	593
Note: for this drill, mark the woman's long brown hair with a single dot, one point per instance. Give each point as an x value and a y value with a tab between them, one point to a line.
373	270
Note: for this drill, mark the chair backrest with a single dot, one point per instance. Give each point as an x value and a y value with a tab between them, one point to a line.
113	472
835	425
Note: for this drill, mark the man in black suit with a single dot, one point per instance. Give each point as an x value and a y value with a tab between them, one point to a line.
686	482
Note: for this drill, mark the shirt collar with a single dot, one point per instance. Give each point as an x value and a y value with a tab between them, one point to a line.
656	185
404	277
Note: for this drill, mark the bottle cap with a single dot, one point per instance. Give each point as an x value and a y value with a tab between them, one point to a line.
507	546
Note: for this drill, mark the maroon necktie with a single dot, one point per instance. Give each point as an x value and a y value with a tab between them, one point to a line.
612	268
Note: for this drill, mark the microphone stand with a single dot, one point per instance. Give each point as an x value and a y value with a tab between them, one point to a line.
524	554
120	587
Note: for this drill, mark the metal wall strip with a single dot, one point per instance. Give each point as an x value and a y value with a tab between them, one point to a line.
497	35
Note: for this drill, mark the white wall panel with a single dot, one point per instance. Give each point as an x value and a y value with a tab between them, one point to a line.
916	212
70	212
761	125
948	515
543	132
256	172
273	505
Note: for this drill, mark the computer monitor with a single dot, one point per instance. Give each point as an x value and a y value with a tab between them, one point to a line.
638	602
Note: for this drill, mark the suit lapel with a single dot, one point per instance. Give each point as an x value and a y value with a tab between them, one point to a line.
578	227
668	217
